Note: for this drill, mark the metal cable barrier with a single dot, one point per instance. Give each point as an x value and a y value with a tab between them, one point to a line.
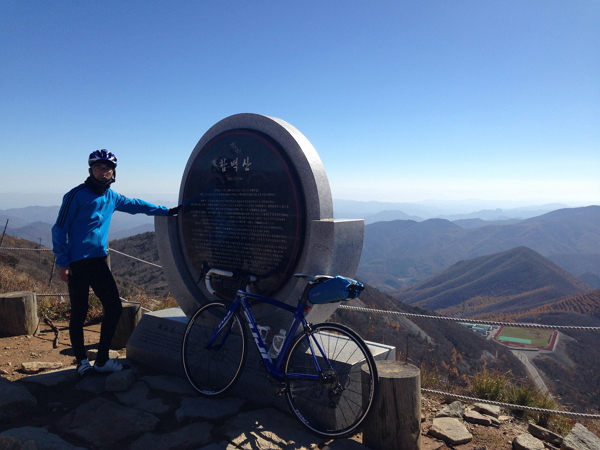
486	322
512	406
31	249
482	322
133	257
423	316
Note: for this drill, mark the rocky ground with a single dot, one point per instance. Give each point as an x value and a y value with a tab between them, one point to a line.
146	410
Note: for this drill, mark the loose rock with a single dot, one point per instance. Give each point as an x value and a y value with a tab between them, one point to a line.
454	409
103	423
544	434
488	410
476	418
527	442
191	436
580	438
119	381
451	430
38	366
42	437
15	399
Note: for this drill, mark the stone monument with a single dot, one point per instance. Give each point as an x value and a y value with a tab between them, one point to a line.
255	199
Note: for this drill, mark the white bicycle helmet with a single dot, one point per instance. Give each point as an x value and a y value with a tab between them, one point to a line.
104	157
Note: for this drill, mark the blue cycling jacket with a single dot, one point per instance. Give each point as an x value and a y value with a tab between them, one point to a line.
81	230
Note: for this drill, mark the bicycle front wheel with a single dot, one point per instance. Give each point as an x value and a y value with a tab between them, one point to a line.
213	369
337	400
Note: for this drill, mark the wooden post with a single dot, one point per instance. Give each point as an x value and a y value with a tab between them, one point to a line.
4	232
132	313
18	313
395	421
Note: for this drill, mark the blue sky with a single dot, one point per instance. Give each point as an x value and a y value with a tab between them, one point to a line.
404	101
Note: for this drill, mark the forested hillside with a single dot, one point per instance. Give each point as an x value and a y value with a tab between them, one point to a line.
508	282
36	267
573	371
448	346
133	276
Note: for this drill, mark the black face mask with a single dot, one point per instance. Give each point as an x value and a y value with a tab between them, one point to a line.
97	186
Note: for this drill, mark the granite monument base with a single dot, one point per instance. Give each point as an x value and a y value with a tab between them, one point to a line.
156	343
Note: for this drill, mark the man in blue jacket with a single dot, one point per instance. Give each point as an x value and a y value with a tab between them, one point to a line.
80	239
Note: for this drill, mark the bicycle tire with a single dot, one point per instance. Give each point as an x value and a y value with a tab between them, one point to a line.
213	371
337	404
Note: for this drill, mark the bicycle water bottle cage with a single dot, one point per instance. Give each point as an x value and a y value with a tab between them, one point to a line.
334	290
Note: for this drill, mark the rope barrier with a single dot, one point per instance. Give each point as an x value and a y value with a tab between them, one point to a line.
133	257
111	249
511	406
483	322
31	249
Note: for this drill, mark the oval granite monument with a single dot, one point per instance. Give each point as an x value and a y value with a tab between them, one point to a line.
255	200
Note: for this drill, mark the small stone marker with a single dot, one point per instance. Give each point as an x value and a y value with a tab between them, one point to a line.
18	313
131	315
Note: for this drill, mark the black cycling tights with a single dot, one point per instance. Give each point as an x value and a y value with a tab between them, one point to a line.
94	273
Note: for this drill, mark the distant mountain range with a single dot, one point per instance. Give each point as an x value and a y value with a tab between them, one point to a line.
35	222
400	253
513	281
376	211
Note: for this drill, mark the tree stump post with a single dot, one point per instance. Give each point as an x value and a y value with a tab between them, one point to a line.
395	421
18	313
130	317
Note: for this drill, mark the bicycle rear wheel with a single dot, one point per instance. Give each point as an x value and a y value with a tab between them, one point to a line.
337	403
213	370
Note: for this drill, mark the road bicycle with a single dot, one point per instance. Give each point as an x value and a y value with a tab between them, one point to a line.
326	371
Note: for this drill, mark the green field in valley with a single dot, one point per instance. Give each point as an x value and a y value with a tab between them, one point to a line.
538	338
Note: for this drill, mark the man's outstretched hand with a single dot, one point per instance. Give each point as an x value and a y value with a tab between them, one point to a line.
174	211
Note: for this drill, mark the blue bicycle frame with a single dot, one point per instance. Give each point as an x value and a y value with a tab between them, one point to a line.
242	299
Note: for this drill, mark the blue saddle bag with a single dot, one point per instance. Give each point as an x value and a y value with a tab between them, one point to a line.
335	289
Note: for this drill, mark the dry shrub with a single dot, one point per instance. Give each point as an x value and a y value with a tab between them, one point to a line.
12	280
490	385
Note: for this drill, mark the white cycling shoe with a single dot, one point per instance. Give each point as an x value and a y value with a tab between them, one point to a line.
110	366
84	368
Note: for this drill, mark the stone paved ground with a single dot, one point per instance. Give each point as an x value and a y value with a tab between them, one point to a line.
141	410
155	411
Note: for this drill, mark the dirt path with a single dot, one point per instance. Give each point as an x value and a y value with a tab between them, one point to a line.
16	350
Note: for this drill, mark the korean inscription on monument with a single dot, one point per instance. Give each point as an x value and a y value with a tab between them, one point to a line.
243	211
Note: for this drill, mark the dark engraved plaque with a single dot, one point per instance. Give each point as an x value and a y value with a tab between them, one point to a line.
243	211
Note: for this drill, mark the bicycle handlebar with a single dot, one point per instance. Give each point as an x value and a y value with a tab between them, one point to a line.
223	273
251	278
305	275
